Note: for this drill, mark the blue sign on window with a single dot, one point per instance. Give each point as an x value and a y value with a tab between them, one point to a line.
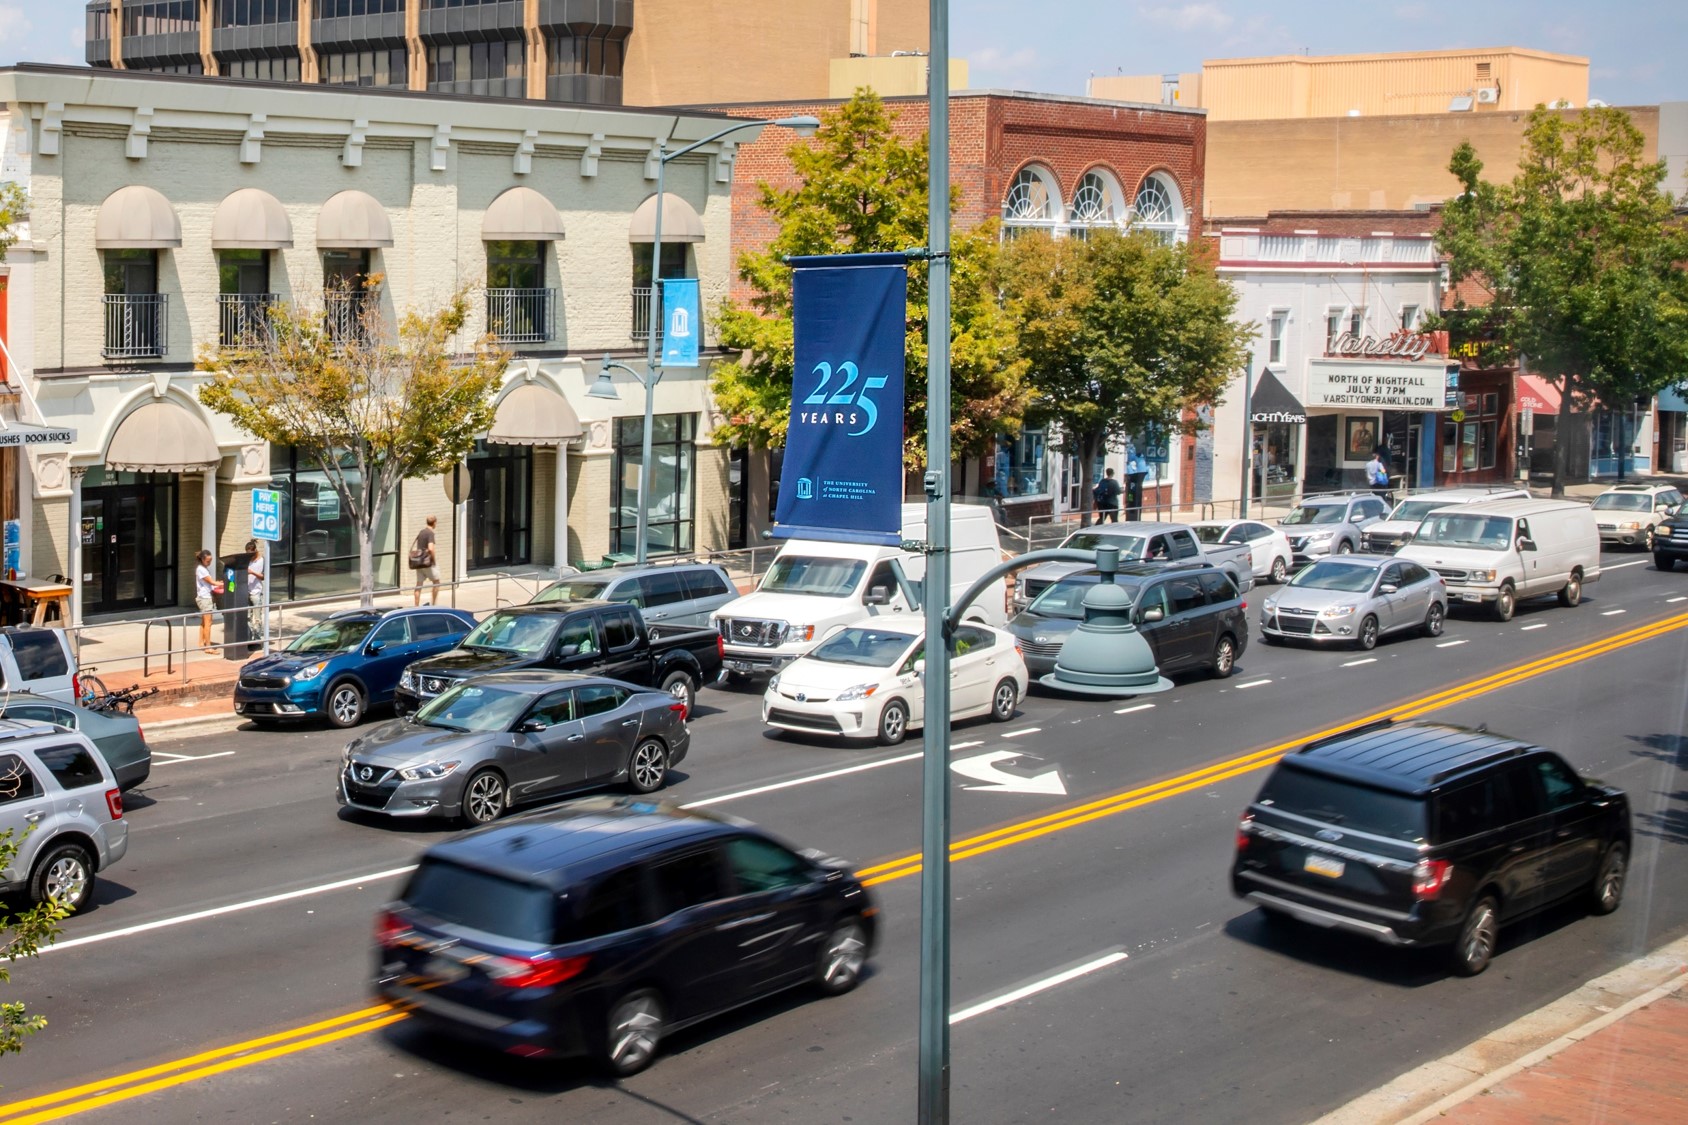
680	326
266	514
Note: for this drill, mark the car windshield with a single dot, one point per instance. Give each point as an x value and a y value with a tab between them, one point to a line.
1624	502
1130	546
1209	532
572	590
1352	578
1333	801
331	636
526	634
814	574
461	896
473	707
1315	513
1066	598
1466	529
869	648
1412	511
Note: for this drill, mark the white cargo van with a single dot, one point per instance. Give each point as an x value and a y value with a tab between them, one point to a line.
1499	551
816	587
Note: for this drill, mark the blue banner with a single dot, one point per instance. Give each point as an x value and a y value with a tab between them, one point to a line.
680	325
843	471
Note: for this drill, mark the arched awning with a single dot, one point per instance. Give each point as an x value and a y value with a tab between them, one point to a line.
137	218
521	215
162	437
532	414
679	222
250	219
353	220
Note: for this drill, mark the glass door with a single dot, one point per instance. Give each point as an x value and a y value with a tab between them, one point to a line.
500	485
117	549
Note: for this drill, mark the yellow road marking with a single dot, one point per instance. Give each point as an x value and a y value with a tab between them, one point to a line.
262	1049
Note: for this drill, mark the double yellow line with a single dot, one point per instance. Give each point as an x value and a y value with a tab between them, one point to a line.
108	1091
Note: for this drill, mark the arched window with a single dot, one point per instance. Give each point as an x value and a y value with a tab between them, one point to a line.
1098	202
1033	202
1159	208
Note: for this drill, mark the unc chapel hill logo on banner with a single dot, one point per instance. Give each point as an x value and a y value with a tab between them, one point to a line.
843	470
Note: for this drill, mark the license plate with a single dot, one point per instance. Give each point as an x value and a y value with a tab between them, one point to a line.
739	665
1471	597
1325	865
445	969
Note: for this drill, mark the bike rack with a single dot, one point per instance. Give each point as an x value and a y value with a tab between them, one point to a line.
169	647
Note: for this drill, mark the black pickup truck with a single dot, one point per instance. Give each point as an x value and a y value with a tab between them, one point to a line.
600	638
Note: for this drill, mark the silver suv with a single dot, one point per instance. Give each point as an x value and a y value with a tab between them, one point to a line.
1331	524
64	810
682	593
1627	513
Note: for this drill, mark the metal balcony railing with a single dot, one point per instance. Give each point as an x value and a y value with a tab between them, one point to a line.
243	319
136	326
520	316
642	314
346	316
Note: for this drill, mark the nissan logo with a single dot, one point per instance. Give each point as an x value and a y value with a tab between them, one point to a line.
365	773
745	630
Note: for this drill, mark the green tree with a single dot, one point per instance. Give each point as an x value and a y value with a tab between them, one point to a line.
1580	259
1122	331
862	189
14	205
22	935
371	405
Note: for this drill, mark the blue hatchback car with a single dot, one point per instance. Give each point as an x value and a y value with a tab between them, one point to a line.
341	667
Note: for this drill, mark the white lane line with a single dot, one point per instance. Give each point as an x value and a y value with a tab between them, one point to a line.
1253	683
1672	601
1036	987
1449	644
966	745
1620	566
232	908
1021	733
725	797
1612	612
1357	663
1139	707
177	759
1537	625
157	754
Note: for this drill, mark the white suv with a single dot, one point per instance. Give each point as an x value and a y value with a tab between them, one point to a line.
64	810
1628	513
1397	529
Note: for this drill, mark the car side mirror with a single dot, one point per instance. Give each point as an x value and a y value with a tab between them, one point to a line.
568	650
374	648
1153	613
1389	588
878	595
1525	543
532	726
920	667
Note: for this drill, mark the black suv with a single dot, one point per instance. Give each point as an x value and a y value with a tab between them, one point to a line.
1427	834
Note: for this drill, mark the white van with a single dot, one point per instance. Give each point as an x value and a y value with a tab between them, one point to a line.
1499	551
816	587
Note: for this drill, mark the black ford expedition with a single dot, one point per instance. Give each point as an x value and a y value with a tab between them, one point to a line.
600	638
1425	834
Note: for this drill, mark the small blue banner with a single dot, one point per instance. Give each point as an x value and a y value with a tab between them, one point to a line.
843	470
680	325
266	514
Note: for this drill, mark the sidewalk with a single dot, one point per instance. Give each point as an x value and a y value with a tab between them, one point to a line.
1612	1052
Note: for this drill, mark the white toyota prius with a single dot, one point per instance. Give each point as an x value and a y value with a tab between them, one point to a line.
867	681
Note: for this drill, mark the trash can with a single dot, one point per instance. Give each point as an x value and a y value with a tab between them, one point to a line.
231	599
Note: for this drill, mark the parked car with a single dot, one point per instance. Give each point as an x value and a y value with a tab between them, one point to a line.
1268	548
1189	612
1141	541
341	667
1396	529
867	681
64	809
676	593
1628	515
1332	524
1356	599
116	736
40	661
511	737
1670	539
1422	834
602	928
597	638
1499	551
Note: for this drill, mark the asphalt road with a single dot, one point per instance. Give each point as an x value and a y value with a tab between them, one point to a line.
223	973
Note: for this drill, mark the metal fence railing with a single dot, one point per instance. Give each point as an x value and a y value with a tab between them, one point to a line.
243	318
520	316
642	315
136	325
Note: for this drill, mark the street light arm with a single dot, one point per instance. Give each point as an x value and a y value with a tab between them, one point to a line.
798	123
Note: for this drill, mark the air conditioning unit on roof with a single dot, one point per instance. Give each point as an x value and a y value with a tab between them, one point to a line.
1488	95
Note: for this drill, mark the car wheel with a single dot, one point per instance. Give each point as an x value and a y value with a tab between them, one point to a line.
1572	593
633	1033
484	797
1434	618
1367	639
680	686
1280	571
1664	562
647	769
1608	889
1224	658
65	875
893	723
838	968
1647	540
1003	701
345	705
1504	604
1479	933
1345	548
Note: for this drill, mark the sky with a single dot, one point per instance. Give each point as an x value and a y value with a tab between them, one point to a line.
1635	47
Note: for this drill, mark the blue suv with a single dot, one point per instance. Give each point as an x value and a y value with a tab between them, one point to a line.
341	667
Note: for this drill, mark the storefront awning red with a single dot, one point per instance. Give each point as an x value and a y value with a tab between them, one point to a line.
1537	395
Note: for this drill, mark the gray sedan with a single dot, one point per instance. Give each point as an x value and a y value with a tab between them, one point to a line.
1356	599
502	739
117	737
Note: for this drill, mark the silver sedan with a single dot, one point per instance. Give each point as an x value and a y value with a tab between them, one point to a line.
1355	599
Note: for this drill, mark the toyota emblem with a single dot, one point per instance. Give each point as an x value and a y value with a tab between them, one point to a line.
1041	640
365	773
802	697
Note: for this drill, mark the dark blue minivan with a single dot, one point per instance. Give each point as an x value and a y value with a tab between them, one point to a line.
342	666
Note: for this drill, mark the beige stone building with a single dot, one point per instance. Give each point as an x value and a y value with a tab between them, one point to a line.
165	210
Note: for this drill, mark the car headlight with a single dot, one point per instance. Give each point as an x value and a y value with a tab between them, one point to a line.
1337	611
1271	605
310	673
407	680
1482	576
427	771
1315	536
799	632
859	691
346	754
1632	525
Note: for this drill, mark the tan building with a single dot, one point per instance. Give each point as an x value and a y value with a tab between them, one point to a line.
1474	80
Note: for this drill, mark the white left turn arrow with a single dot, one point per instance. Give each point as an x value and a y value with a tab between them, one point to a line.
982	767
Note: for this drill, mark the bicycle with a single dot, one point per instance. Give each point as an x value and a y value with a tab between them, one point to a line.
123	700
89	687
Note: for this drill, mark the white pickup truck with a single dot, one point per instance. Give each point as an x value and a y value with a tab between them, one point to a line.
1140	542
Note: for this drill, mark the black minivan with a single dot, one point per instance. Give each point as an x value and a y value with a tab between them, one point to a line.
601	928
1419	834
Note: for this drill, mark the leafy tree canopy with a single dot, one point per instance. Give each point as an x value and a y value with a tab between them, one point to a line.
22	935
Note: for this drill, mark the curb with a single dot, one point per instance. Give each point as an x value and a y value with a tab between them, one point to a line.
1428	1092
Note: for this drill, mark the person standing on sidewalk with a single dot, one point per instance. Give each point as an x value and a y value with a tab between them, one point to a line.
425	563
204	597
1106	495
1136	472
1377	474
256	568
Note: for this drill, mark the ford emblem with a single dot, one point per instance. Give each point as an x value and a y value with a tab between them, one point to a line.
1328	836
365	773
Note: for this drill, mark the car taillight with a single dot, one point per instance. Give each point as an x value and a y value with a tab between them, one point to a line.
720	646
681	708
1430	876
1245	603
390	929
1245	833
75	688
114	802
543	971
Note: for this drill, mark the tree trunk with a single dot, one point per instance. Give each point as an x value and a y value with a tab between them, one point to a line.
1087	444
1561	432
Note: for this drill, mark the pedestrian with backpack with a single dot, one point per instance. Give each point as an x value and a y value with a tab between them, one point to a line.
1377	474
1106	498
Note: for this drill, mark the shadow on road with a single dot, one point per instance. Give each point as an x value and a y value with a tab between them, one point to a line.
1670	823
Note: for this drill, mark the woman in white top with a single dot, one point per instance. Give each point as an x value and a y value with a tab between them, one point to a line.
204	596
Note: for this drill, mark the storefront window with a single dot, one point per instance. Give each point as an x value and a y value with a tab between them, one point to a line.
129	548
1275	459
670	521
500	504
1020	464
318	550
